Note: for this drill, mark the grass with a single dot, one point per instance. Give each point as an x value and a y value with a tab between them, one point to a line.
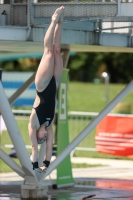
90	97
5	168
85	97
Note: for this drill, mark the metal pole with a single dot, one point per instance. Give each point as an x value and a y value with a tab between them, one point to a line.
22	89
90	127
119	8
11	12
66	54
107	89
0	74
31	12
28	13
28	19
16	137
106	77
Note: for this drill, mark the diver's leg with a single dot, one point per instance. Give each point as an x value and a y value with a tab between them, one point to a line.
49	144
49	148
58	66
46	68
32	135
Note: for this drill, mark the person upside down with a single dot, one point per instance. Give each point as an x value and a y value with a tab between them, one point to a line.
47	80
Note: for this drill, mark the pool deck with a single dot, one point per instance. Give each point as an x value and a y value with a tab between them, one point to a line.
112	180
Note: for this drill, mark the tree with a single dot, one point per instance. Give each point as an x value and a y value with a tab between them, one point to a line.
87	66
83	67
20	65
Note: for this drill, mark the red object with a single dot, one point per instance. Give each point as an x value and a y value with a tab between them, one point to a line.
115	184
85	198
114	135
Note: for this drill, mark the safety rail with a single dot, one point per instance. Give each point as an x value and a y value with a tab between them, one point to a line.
70	113
77	122
73	11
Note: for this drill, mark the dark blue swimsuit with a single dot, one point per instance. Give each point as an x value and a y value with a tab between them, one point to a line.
46	109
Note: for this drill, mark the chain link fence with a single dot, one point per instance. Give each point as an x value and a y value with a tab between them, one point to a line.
18	11
74	10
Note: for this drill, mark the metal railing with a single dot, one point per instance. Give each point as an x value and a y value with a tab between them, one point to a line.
76	10
77	121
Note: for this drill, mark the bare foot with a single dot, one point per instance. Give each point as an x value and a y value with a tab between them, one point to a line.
57	14
39	170
43	168
61	17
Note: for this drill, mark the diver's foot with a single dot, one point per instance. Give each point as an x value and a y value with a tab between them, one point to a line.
46	164
61	17
57	14
43	168
36	168
39	170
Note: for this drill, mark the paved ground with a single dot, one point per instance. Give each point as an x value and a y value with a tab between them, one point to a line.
114	180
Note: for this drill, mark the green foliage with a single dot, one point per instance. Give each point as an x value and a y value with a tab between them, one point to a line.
83	67
89	97
87	66
20	65
5	168
10	66
119	66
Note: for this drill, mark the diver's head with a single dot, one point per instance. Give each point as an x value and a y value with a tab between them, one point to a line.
42	134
